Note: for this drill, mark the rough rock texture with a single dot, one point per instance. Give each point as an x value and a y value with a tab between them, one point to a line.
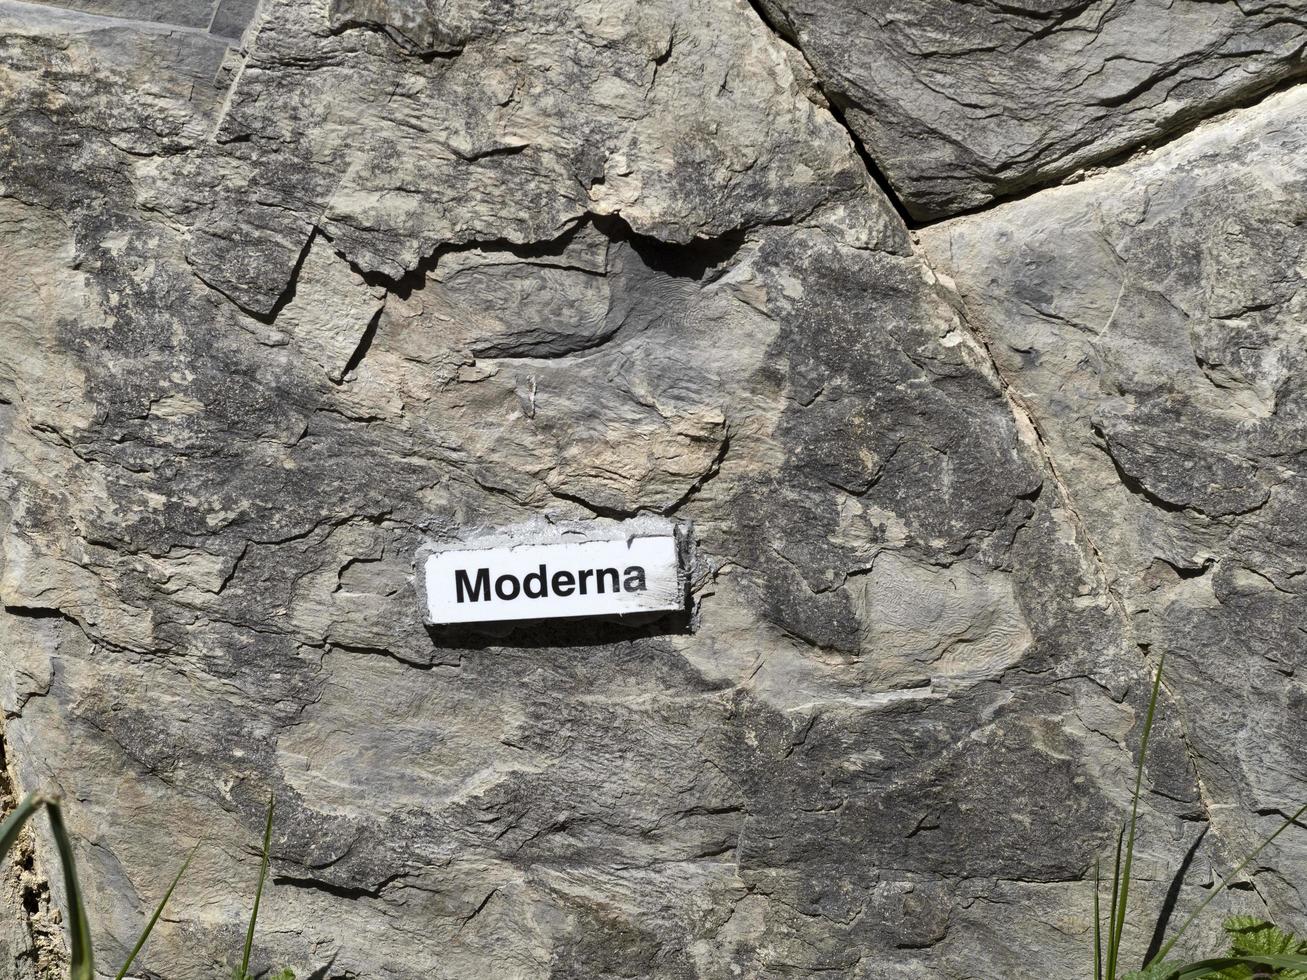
962	101
1151	321
279	311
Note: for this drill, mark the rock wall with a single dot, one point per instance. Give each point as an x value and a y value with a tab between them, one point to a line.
292	288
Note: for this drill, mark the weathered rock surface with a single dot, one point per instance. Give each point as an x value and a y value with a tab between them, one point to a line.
962	102
278	315
1151	322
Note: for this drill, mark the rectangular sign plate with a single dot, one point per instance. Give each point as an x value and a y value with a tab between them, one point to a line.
608	569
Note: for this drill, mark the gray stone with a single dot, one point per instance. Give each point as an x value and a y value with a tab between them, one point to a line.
960	103
1150	321
522	126
404	270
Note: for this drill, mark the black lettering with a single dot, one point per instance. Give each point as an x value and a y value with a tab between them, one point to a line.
501	587
462	585
541	588
538	584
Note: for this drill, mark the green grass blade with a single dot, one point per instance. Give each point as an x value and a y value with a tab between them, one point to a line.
81	960
1226	881
1110	973
1208	968
145	934
1119	918
258	892
13	823
1098	928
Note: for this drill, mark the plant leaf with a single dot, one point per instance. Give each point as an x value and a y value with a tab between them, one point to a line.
145	934
1158	971
1098	928
1225	882
1213	967
13	823
258	891
81	964
1114	947
1251	937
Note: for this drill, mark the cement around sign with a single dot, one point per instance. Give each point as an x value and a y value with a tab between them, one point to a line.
541	571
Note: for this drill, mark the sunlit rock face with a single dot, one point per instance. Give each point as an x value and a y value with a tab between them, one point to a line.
293	291
962	102
1151	321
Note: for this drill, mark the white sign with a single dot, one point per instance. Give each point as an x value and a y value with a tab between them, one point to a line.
546	580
